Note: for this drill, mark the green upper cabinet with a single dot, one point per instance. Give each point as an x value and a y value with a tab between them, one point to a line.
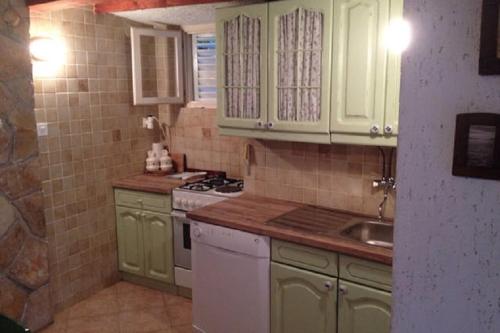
300	37
363	309
130	240
158	246
242	66
302	301
365	74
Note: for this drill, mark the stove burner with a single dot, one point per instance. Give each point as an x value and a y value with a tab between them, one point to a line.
198	187
228	189
219	181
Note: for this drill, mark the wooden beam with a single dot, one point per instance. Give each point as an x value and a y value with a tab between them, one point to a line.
126	5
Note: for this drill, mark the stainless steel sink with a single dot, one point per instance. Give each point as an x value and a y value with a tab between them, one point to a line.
371	232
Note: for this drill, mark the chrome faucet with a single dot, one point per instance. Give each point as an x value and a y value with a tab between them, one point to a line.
387	182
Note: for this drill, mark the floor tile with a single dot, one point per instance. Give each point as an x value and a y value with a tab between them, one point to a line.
145	320
100	324
140	299
103	303
180	314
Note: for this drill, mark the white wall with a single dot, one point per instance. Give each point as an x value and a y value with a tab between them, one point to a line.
447	251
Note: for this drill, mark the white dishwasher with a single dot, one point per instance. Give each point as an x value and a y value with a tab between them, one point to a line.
230	280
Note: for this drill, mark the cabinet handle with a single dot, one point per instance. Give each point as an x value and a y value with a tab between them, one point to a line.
328	285
270	125
374	129
139	200
388	129
343	290
138	214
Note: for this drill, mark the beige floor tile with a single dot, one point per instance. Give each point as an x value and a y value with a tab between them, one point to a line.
145	320
180	314
104	302
140	299
96	324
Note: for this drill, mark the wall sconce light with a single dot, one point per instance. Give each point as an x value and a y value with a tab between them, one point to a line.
398	35
46	49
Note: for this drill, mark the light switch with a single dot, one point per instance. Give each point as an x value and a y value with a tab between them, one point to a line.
42	129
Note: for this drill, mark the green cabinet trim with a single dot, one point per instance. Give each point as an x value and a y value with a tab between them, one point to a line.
130	240
141	200
366	140
322	138
302	301
221	16
365	74
365	272
145	240
277	9
158	246
309	258
363	309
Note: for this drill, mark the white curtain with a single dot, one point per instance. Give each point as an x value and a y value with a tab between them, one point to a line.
300	42
242	67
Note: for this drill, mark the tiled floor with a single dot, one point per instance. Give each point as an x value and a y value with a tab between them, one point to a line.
126	308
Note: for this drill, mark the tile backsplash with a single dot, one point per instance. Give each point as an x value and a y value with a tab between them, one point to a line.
94	136
335	176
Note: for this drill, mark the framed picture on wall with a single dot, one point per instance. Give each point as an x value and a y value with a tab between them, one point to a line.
477	146
489	54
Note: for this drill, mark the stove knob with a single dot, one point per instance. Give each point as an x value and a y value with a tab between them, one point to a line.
196	232
177	202
184	203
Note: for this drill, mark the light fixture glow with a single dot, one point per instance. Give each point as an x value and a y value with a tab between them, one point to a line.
398	35
48	54
46	49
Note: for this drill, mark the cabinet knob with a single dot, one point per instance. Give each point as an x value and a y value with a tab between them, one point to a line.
343	289
270	125
328	285
139	200
388	129
374	129
260	124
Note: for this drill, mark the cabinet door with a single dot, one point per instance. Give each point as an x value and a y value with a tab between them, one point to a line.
130	240
300	37
242	66
363	309
302	301
359	72
158	246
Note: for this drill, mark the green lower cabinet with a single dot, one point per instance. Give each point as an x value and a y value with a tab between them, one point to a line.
158	246
363	309
302	301
130	240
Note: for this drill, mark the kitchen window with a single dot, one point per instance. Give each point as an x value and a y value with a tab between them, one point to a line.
201	52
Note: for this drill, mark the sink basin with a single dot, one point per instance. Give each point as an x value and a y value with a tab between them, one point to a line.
371	232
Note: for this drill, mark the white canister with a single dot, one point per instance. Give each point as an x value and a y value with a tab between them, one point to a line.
157	148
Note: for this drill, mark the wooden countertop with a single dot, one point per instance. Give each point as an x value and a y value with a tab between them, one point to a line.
147	183
254	214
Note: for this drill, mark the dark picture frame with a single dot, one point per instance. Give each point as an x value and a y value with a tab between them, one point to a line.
489	57
477	146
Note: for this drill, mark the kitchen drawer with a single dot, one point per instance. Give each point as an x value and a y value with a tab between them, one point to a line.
306	257
366	272
141	200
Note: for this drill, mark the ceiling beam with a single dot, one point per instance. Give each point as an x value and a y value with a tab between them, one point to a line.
108	6
126	5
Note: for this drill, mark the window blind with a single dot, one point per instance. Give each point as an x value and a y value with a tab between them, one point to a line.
204	67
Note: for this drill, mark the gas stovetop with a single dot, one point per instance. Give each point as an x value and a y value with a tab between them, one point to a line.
217	184
205	192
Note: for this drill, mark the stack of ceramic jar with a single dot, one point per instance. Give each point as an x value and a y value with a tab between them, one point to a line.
158	159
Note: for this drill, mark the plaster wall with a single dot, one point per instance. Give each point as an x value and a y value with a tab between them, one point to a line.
447	241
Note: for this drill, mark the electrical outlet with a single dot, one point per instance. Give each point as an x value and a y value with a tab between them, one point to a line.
42	129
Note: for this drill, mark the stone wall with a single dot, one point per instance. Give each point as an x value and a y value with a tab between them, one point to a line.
24	271
95	135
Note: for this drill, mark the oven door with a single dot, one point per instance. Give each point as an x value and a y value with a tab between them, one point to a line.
182	239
